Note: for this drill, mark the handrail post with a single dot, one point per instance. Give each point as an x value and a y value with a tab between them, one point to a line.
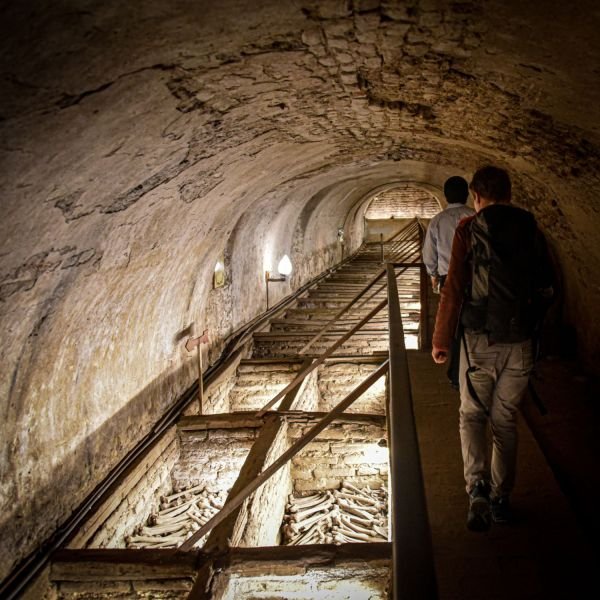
413	572
381	244
424	340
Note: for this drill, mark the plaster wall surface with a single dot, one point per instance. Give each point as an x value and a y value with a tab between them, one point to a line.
141	143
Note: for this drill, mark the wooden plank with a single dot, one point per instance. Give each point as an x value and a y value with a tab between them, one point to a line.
289	399
313	417
243	559
219	421
274	361
123	564
413	567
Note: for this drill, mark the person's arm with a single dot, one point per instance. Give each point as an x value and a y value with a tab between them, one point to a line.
452	294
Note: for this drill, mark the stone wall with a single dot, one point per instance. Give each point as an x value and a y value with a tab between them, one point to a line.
212	458
140	501
403	202
358	344
338	379
358	580
258	383
141	144
344	451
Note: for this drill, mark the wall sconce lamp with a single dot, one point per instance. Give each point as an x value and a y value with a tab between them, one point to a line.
219	275
284	268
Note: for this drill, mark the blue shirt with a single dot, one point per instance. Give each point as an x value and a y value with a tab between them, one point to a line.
440	233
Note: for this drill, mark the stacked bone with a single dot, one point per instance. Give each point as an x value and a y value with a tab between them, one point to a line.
342	516
178	516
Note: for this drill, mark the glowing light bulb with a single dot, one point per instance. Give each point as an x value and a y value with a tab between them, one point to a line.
285	266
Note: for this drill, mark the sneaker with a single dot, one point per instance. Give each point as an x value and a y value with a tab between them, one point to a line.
501	510
478	517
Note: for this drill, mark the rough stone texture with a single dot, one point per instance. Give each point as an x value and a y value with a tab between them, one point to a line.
212	458
403	202
358	581
337	380
357	345
130	590
140	144
218	399
344	451
258	383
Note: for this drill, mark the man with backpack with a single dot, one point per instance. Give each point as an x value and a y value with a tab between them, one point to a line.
499	280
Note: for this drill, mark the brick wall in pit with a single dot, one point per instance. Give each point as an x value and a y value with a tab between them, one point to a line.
356	345
403	202
212	458
258	383
355	580
338	379
345	451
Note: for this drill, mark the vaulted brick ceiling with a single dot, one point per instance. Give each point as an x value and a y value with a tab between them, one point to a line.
142	142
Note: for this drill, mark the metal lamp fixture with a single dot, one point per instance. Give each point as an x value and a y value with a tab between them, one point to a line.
285	270
219	275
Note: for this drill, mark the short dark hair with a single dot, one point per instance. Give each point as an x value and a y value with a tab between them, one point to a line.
456	189
492	183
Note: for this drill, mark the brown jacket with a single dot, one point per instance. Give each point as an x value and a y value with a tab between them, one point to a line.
453	291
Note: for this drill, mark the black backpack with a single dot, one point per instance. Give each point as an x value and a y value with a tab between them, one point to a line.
502	299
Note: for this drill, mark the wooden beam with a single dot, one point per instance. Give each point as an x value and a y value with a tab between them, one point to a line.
219	421
308	555
123	564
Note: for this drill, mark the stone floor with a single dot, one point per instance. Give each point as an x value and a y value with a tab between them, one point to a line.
545	553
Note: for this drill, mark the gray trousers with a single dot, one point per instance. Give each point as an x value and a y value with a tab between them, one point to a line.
500	379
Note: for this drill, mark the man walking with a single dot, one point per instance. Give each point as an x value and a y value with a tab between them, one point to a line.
499	256
438	240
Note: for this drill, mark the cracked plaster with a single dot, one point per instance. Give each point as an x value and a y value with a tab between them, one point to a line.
139	143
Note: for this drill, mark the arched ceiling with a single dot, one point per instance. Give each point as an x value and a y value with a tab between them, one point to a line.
140	142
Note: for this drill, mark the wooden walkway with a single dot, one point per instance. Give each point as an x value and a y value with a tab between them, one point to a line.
542	555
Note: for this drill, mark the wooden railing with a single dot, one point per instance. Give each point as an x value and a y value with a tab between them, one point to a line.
412	555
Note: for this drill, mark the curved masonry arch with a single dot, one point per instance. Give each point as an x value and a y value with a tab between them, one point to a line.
140	146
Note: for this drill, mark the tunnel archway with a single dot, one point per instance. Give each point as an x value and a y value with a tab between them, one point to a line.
141	144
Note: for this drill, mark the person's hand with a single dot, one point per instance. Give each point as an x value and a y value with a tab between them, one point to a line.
439	355
435	284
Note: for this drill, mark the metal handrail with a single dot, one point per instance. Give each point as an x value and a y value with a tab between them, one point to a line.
413	571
